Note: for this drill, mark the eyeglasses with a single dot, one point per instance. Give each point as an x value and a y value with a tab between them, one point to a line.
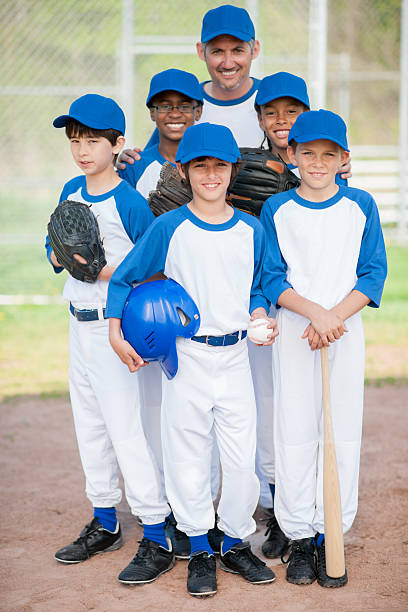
186	109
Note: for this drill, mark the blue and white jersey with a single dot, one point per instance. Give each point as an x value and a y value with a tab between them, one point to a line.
239	115
123	216
144	173
324	250
219	265
339	180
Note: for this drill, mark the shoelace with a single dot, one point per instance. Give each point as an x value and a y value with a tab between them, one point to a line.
145	553
271	525
89	531
201	565
299	553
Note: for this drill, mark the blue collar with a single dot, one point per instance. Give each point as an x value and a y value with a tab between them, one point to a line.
318	205
212	227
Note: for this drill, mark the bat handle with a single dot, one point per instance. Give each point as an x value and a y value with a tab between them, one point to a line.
333	522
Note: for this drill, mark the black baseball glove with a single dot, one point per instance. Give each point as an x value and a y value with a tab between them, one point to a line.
171	191
73	229
262	174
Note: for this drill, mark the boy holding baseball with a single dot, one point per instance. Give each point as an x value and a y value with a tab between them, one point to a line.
326	261
216	253
104	395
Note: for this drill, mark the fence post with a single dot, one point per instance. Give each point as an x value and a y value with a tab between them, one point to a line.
403	123
126	59
317	57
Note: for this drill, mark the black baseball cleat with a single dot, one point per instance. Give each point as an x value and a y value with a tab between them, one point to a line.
301	562
150	562
92	540
202	577
241	560
322	578
276	543
215	537
179	540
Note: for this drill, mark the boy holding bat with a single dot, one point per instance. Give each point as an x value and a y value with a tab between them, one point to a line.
326	260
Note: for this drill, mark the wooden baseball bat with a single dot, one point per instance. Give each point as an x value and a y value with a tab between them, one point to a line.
333	523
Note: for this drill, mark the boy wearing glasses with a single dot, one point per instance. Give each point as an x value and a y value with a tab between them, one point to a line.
175	101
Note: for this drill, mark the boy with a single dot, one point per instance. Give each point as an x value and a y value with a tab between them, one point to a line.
326	261
215	252
280	99
104	395
175	101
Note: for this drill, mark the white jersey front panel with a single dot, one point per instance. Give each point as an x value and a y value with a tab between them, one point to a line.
311	239
216	269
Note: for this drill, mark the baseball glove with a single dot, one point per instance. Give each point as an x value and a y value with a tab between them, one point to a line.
262	174
73	229
171	191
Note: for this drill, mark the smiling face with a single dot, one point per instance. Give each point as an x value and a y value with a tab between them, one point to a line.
276	118
318	162
228	62
209	178
94	154
172	124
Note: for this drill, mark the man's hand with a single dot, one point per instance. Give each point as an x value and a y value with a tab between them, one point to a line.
345	170
123	349
127	156
260	313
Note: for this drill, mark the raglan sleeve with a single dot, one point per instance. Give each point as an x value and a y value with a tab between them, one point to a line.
274	275
257	297
148	257
135	214
372	260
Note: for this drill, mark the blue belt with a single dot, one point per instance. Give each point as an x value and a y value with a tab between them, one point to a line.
226	340
87	315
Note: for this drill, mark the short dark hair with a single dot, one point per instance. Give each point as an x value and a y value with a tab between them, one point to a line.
234	171
75	129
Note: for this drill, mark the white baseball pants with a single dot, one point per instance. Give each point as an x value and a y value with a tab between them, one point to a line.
298	423
106	408
211	390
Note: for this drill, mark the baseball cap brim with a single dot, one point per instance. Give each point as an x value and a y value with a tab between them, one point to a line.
318	136
62	121
209	153
283	93
239	34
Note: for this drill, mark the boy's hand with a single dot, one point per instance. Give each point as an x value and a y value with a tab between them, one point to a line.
314	339
122	348
55	261
128	156
327	324
260	313
345	170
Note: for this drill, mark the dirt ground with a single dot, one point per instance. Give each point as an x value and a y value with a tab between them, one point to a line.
43	507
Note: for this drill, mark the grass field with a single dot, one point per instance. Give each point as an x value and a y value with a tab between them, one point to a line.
34	346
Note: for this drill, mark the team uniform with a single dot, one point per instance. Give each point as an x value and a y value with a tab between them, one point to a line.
220	268
323	250
104	394
144	173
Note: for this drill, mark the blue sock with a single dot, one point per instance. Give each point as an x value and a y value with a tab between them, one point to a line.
272	488
229	542
319	539
199	544
155	533
106	517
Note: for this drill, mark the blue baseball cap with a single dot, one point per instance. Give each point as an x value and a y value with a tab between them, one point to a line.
208	140
227	19
282	85
319	125
96	112
175	80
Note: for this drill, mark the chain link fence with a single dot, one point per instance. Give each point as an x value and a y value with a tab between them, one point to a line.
54	51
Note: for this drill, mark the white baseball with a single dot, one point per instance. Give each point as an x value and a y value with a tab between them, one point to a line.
258	331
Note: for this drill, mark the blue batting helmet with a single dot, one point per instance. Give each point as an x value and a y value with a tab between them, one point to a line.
156	313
